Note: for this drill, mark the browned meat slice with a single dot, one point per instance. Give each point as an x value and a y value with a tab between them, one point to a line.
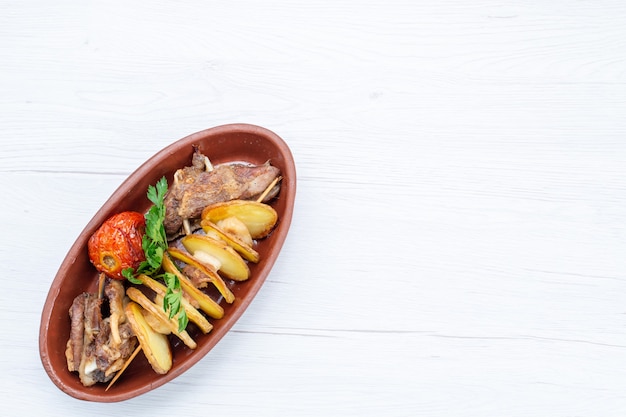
74	349
200	185
198	278
92	323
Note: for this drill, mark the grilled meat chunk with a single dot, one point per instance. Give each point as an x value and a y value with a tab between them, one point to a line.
92	349
198	278
88	370
201	184
74	349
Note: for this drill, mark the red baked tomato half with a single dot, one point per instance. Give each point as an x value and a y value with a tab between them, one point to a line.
116	245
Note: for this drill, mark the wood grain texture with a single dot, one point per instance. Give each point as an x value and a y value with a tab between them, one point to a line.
457	245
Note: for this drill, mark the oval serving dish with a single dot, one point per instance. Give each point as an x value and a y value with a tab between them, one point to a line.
227	143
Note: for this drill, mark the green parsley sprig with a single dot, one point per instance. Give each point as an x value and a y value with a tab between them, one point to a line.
154	244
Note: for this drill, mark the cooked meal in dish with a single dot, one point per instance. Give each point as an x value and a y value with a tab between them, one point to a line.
154	267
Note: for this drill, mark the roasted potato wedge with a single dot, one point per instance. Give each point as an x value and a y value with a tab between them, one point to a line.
140	298
259	218
232	240
155	346
192	313
235	227
206	303
156	323
216	279
231	264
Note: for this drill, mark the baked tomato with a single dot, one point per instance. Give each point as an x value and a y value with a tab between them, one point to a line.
116	245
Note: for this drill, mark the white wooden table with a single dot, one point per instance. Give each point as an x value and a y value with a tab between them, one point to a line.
458	243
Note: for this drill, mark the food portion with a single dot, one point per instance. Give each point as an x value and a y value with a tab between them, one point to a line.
195	316
199	185
195	266
117	244
170	267
218	254
258	218
98	347
154	344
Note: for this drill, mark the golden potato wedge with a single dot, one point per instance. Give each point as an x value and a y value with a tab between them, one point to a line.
192	313
231	264
216	279
206	303
140	298
156	323
236	227
232	240
154	345
259	218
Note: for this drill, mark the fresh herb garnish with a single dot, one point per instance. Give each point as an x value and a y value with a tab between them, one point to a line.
154	246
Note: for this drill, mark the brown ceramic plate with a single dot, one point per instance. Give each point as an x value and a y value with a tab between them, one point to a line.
235	142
